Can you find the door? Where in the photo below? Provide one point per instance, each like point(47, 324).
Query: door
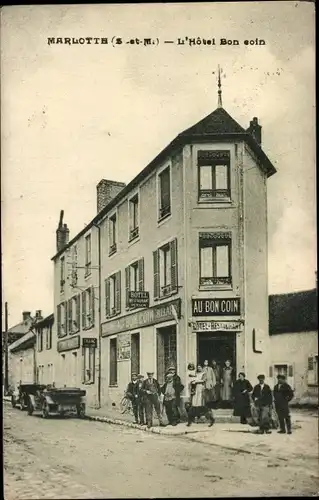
point(135, 353)
point(166, 354)
point(216, 346)
point(74, 369)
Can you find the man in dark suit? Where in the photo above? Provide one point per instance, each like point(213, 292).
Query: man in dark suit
point(262, 398)
point(152, 391)
point(172, 395)
point(139, 399)
point(283, 393)
point(131, 396)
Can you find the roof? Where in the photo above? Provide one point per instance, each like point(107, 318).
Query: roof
point(293, 312)
point(218, 125)
point(45, 321)
point(21, 328)
point(28, 340)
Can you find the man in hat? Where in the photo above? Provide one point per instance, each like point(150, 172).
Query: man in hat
point(262, 398)
point(131, 396)
point(152, 391)
point(139, 398)
point(172, 392)
point(283, 393)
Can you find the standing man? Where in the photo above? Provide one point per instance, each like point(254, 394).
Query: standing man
point(283, 393)
point(131, 396)
point(172, 390)
point(262, 398)
point(139, 398)
point(152, 391)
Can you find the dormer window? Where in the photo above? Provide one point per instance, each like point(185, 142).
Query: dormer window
point(213, 176)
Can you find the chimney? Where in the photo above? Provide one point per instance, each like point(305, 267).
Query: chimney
point(255, 130)
point(38, 315)
point(62, 234)
point(106, 191)
point(26, 315)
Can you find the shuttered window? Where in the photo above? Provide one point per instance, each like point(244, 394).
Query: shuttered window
point(83, 310)
point(88, 365)
point(165, 269)
point(312, 372)
point(113, 295)
point(134, 279)
point(113, 362)
point(164, 187)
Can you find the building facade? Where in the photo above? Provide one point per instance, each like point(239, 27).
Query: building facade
point(293, 329)
point(22, 361)
point(173, 269)
point(45, 355)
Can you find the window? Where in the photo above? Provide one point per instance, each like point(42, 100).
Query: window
point(88, 262)
point(214, 175)
point(62, 274)
point(134, 279)
point(113, 362)
point(62, 319)
point(74, 271)
point(74, 314)
point(88, 306)
point(88, 365)
point(40, 340)
point(215, 259)
point(165, 270)
point(113, 295)
point(164, 180)
point(48, 338)
point(112, 234)
point(312, 372)
point(133, 218)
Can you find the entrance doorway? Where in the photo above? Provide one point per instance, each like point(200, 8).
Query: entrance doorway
point(135, 353)
point(166, 353)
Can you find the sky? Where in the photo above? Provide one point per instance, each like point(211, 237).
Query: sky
point(74, 114)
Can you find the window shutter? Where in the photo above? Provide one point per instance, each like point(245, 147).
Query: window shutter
point(107, 297)
point(78, 312)
point(92, 306)
point(290, 371)
point(127, 284)
point(311, 371)
point(141, 275)
point(118, 292)
point(174, 276)
point(271, 371)
point(66, 317)
point(83, 310)
point(70, 315)
point(59, 320)
point(156, 274)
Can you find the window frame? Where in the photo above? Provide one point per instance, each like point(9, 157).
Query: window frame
point(116, 310)
point(40, 339)
point(212, 163)
point(113, 219)
point(91, 357)
point(217, 239)
point(163, 213)
point(134, 232)
point(62, 274)
point(140, 277)
point(88, 255)
point(161, 291)
point(48, 337)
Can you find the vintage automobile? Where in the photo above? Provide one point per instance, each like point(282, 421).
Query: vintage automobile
point(57, 401)
point(20, 396)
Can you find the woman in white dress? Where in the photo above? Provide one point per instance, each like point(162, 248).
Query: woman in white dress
point(198, 405)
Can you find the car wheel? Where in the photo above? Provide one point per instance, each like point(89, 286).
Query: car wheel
point(81, 412)
point(45, 410)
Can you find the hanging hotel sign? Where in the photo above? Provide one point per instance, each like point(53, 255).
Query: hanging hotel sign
point(156, 314)
point(216, 307)
point(212, 326)
point(89, 342)
point(69, 343)
point(138, 299)
point(124, 347)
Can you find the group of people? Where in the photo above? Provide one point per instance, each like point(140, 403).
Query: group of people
point(206, 387)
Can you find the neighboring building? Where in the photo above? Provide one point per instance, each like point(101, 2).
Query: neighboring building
point(45, 355)
point(190, 234)
point(15, 333)
point(22, 360)
point(293, 329)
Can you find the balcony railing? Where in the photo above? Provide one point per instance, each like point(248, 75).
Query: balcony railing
point(112, 249)
point(134, 233)
point(213, 194)
point(213, 281)
point(164, 211)
point(166, 290)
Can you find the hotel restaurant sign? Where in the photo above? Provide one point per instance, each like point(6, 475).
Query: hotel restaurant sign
point(216, 307)
point(151, 316)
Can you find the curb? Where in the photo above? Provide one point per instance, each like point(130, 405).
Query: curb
point(132, 425)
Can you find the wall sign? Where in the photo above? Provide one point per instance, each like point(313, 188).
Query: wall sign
point(69, 343)
point(211, 326)
point(216, 307)
point(138, 299)
point(151, 316)
point(89, 342)
point(124, 347)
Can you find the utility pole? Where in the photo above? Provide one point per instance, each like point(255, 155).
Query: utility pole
point(6, 368)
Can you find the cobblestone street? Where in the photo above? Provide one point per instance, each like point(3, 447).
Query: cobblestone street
point(71, 458)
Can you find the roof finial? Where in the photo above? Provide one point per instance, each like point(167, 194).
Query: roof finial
point(220, 104)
